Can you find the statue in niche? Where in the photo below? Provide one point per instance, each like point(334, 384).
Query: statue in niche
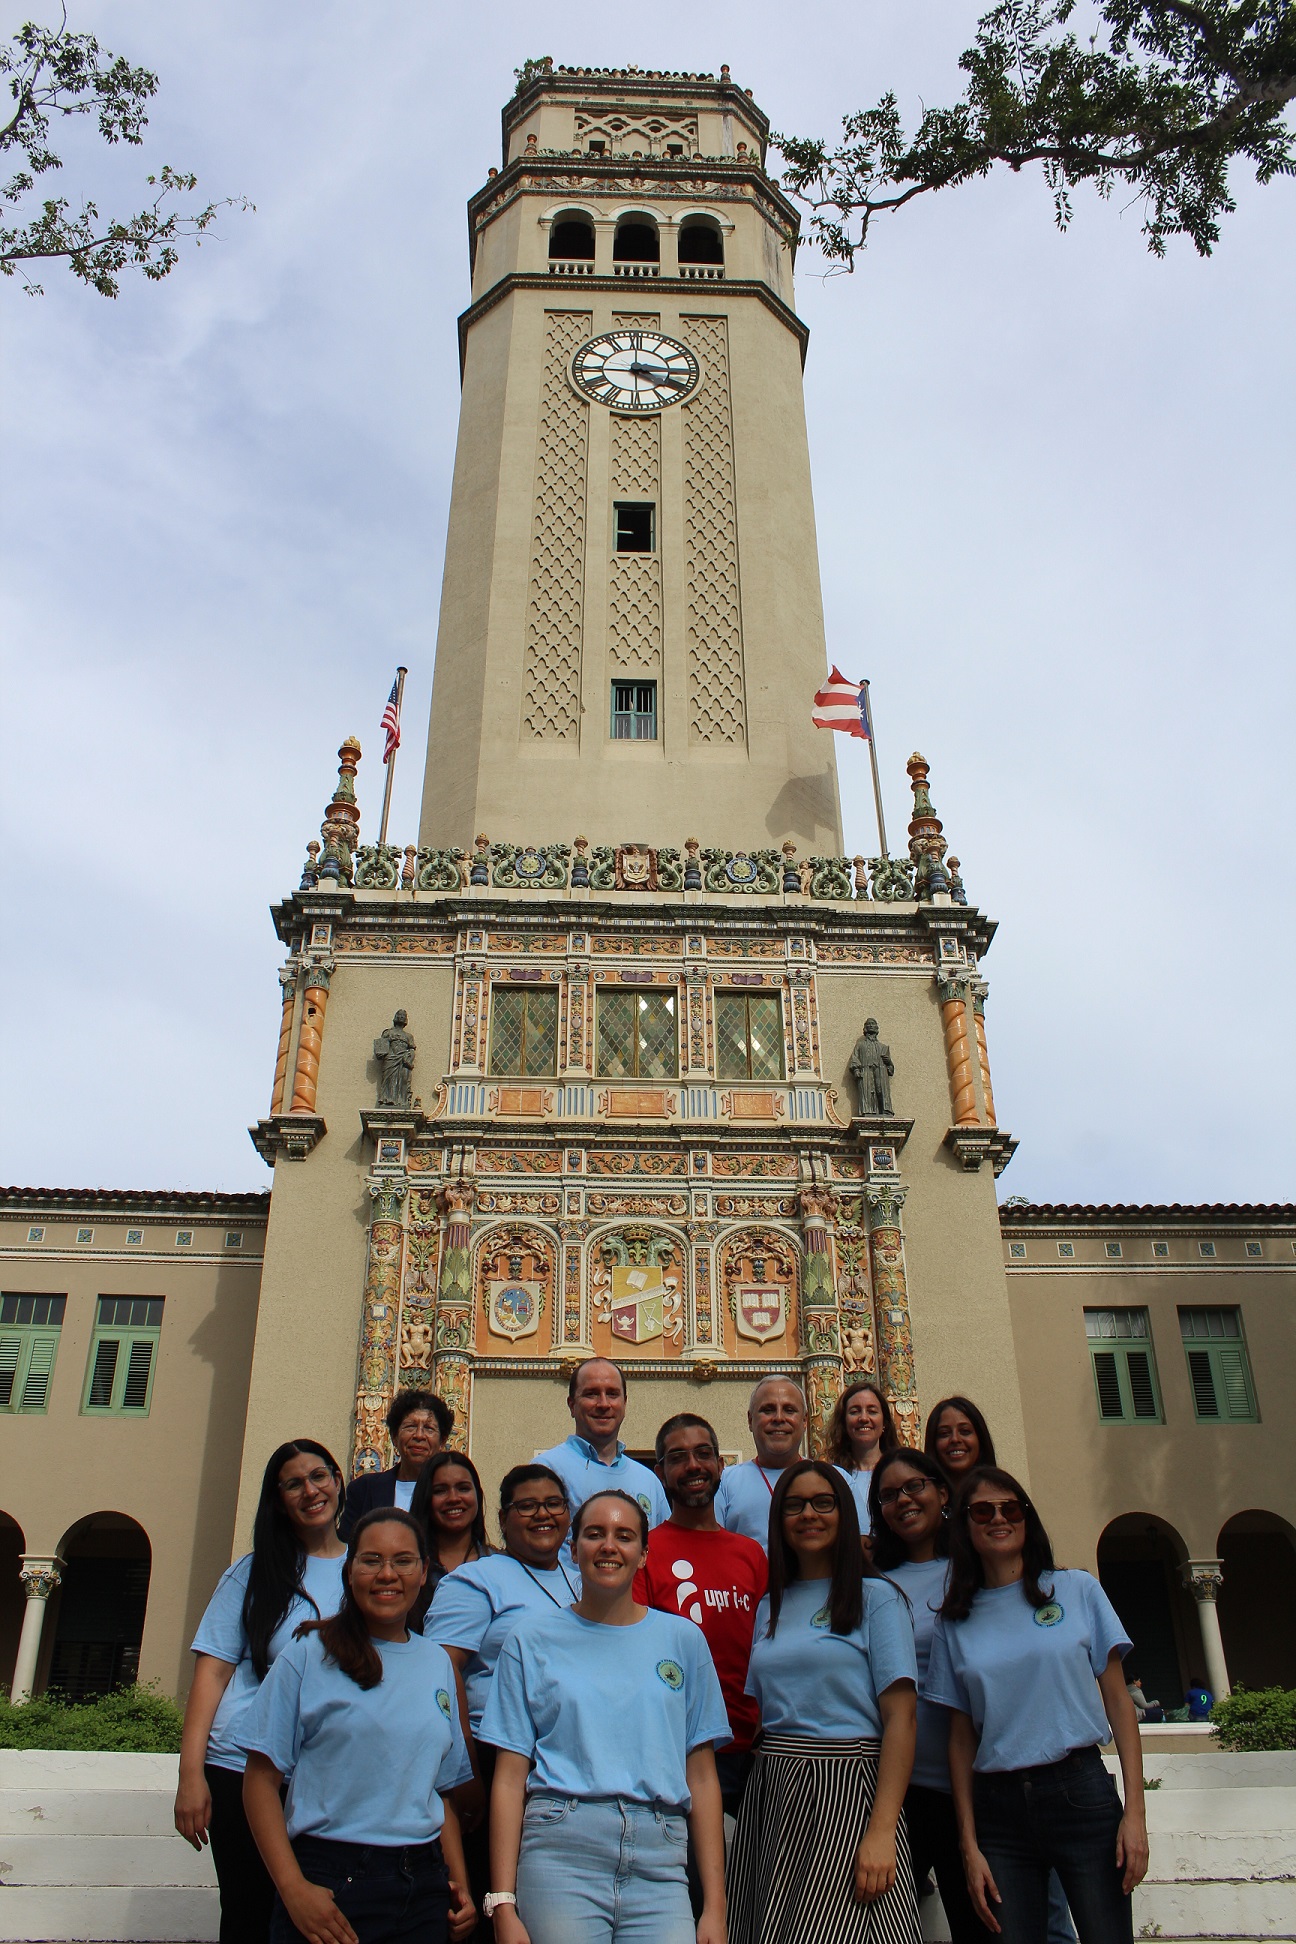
point(874, 1070)
point(394, 1051)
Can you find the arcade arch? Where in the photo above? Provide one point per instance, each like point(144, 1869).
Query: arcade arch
point(1257, 1598)
point(1140, 1562)
point(96, 1624)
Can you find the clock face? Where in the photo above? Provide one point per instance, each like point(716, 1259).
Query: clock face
point(635, 371)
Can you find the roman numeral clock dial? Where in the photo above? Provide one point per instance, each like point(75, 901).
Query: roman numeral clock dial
point(635, 371)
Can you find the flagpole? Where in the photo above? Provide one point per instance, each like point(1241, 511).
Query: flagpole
point(877, 781)
point(401, 673)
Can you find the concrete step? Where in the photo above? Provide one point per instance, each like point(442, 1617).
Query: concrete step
point(142, 1915)
point(157, 1861)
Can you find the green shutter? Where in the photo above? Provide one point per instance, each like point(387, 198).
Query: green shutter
point(99, 1396)
point(135, 1390)
point(1235, 1381)
point(1108, 1382)
point(1202, 1377)
point(1142, 1390)
point(9, 1348)
point(40, 1366)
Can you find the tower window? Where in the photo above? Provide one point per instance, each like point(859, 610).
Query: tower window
point(524, 1032)
point(636, 243)
point(636, 527)
point(598, 148)
point(634, 711)
point(749, 1036)
point(700, 243)
point(572, 241)
point(636, 1035)
point(674, 148)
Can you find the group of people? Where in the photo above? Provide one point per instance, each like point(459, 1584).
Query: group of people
point(867, 1668)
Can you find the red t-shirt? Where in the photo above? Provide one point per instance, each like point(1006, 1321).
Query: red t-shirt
point(718, 1579)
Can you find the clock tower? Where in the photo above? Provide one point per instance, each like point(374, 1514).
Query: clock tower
point(623, 1056)
point(631, 593)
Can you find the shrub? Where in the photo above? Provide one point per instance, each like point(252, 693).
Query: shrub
point(1252, 1720)
point(134, 1720)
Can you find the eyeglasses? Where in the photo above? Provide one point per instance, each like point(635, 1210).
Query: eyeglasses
point(912, 1488)
point(822, 1502)
point(549, 1508)
point(984, 1512)
point(294, 1487)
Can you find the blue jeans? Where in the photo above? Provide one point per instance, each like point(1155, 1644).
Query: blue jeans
point(1064, 1817)
point(603, 1872)
point(388, 1895)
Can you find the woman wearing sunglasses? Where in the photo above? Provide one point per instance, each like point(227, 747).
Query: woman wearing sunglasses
point(821, 1851)
point(909, 1505)
point(1027, 1658)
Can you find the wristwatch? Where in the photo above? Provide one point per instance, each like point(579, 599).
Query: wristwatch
point(494, 1898)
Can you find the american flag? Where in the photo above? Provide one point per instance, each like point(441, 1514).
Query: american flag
point(390, 724)
point(843, 705)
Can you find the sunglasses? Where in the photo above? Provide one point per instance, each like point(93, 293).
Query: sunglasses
point(984, 1512)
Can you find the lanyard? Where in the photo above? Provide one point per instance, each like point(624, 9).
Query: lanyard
point(543, 1588)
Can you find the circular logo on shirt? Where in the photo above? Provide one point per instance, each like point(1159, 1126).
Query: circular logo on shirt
point(672, 1674)
point(1048, 1616)
point(645, 1501)
point(443, 1702)
point(822, 1618)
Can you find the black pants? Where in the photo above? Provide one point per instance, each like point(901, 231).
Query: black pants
point(387, 1895)
point(1061, 1816)
point(246, 1892)
point(733, 1766)
point(934, 1845)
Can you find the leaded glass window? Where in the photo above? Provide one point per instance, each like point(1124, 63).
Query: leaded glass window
point(636, 1035)
point(524, 1031)
point(749, 1036)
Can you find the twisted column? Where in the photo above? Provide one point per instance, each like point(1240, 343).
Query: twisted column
point(820, 1330)
point(310, 1039)
point(452, 1371)
point(958, 1051)
point(379, 1320)
point(895, 1364)
point(979, 992)
point(41, 1574)
point(288, 988)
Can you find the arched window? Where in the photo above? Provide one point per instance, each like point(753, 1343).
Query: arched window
point(572, 240)
point(636, 241)
point(700, 241)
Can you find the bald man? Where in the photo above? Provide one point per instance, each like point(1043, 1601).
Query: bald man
point(776, 1414)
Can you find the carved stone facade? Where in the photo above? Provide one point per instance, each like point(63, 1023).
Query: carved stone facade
point(555, 604)
point(717, 694)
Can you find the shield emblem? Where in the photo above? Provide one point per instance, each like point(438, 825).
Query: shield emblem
point(637, 1296)
point(513, 1308)
point(760, 1311)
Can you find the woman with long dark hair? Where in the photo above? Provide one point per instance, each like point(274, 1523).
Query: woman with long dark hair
point(958, 1438)
point(1026, 1656)
point(360, 1718)
point(450, 1506)
point(604, 1716)
point(860, 1431)
point(909, 1502)
point(294, 1570)
point(821, 1851)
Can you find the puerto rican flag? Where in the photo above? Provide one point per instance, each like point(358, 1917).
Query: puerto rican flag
point(390, 724)
point(843, 705)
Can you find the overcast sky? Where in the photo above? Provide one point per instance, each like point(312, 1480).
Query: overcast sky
point(1053, 480)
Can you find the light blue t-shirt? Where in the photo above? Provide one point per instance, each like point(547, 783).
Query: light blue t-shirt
point(220, 1633)
point(1028, 1675)
point(743, 1502)
point(364, 1765)
point(478, 1605)
point(607, 1711)
point(924, 1583)
point(584, 1474)
point(808, 1680)
point(859, 1491)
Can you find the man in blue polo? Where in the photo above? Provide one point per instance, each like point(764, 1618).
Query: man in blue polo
point(593, 1459)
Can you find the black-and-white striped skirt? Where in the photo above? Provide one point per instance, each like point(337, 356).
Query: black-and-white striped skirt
point(791, 1876)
